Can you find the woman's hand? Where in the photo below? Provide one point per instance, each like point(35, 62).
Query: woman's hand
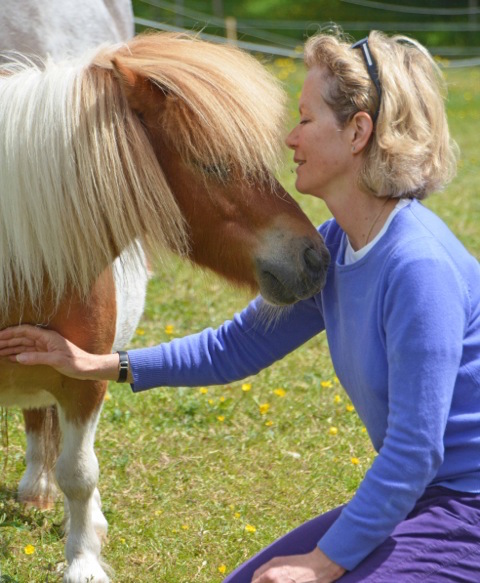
point(32, 345)
point(314, 567)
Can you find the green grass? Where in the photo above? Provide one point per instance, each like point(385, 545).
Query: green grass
point(184, 471)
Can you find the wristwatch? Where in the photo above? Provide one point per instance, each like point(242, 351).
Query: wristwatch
point(123, 366)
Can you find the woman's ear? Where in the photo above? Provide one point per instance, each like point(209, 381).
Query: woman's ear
point(361, 130)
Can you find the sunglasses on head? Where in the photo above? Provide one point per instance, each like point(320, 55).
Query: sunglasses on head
point(372, 70)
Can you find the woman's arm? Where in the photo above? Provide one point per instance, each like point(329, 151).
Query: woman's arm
point(424, 317)
point(241, 347)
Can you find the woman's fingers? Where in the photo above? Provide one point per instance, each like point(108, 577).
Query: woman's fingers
point(16, 345)
point(15, 350)
point(14, 341)
point(26, 336)
point(23, 330)
point(32, 345)
point(18, 341)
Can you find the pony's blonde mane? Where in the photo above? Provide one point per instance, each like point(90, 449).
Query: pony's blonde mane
point(79, 179)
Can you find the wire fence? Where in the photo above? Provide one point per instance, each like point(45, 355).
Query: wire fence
point(472, 10)
point(264, 36)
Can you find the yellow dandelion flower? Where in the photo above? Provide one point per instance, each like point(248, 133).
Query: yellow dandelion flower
point(221, 418)
point(246, 387)
point(355, 461)
point(350, 408)
point(269, 423)
point(203, 390)
point(280, 392)
point(169, 329)
point(364, 430)
point(123, 541)
point(335, 380)
point(222, 569)
point(222, 399)
point(283, 62)
point(337, 399)
point(107, 397)
point(29, 550)
point(140, 332)
point(250, 528)
point(185, 527)
point(263, 408)
point(333, 430)
point(158, 512)
point(210, 401)
point(326, 384)
point(237, 515)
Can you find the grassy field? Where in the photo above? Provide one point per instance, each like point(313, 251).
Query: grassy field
point(194, 481)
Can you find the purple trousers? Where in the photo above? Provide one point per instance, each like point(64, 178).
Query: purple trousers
point(439, 542)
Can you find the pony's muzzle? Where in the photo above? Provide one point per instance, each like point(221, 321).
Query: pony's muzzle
point(313, 260)
point(296, 271)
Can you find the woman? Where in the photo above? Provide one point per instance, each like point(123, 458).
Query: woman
point(401, 309)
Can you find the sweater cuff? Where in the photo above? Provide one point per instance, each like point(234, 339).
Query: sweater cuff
point(147, 366)
point(344, 545)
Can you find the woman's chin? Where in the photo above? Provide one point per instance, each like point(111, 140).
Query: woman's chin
point(301, 186)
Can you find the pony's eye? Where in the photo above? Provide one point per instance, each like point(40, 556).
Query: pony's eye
point(216, 171)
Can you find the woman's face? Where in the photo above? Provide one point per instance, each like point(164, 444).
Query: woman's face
point(322, 150)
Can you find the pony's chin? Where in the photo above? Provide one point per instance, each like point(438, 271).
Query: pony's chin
point(274, 291)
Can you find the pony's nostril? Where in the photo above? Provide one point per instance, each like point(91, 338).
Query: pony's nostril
point(313, 259)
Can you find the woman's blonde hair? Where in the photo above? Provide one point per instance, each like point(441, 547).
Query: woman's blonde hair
point(410, 153)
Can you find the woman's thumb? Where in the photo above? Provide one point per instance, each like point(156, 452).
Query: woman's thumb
point(31, 358)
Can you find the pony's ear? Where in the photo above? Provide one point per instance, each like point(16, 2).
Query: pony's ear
point(139, 90)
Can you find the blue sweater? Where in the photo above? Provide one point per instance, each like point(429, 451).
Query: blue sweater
point(403, 327)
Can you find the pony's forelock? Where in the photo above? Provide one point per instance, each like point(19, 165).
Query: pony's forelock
point(223, 109)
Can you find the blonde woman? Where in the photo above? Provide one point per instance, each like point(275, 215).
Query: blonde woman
point(401, 309)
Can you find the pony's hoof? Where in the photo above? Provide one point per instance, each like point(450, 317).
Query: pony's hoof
point(37, 492)
point(85, 569)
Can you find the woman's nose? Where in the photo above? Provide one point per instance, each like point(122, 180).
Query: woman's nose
point(291, 139)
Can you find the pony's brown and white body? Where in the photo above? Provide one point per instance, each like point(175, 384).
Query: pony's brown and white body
point(165, 140)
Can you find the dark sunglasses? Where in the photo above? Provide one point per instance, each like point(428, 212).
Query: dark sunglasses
point(372, 70)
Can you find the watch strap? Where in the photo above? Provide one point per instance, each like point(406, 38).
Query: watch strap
point(123, 366)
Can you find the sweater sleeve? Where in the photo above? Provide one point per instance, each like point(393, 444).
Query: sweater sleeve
point(237, 349)
point(426, 306)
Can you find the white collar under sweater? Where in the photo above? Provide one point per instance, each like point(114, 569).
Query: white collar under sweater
point(351, 256)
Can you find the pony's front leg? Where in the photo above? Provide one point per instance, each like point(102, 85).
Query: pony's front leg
point(100, 523)
point(37, 486)
point(77, 476)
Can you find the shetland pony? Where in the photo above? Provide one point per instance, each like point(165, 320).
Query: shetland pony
point(165, 140)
